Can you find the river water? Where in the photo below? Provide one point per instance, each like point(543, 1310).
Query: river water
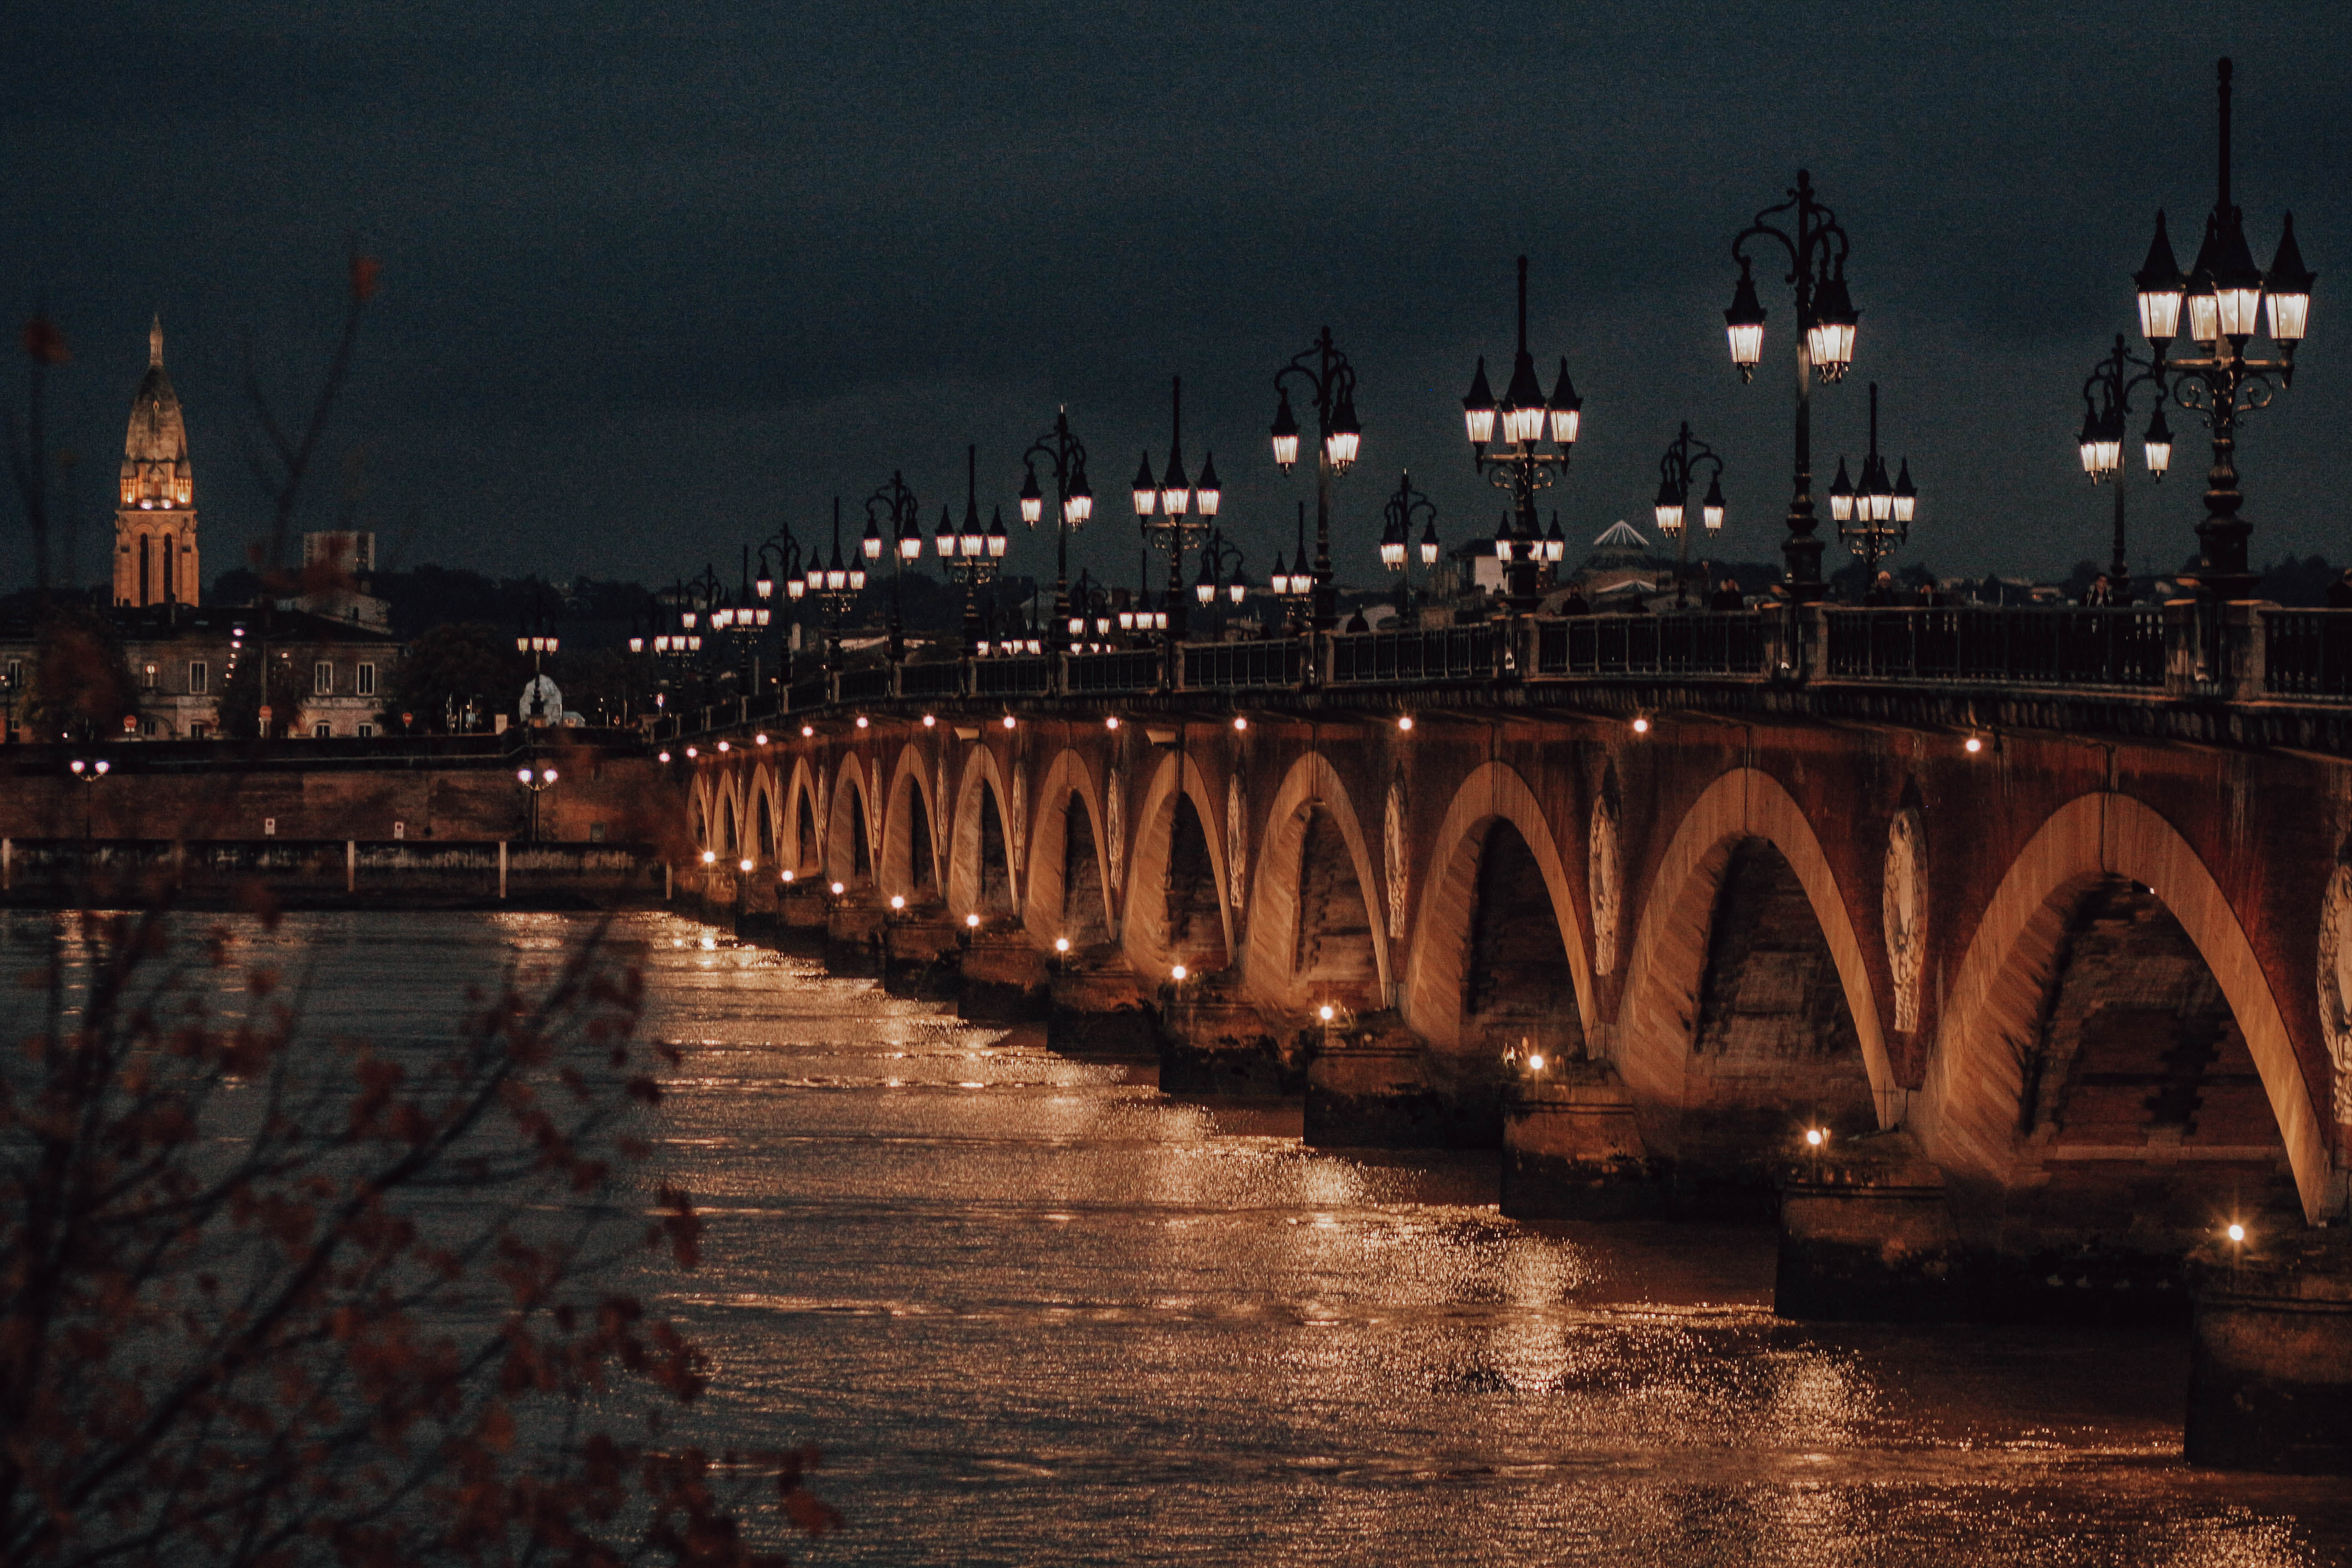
point(1036, 1312)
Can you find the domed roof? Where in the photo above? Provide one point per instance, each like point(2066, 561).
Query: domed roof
point(158, 432)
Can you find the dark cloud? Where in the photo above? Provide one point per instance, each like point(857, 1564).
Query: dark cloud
point(657, 278)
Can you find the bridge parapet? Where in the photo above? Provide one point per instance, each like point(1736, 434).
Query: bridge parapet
point(2238, 674)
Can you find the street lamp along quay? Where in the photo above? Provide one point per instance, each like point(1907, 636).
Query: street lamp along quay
point(2223, 293)
point(1521, 467)
point(1826, 320)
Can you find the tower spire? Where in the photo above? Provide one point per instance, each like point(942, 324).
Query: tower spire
point(155, 343)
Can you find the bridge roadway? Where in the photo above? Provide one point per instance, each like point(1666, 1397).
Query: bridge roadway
point(2042, 921)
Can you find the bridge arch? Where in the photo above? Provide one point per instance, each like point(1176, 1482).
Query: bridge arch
point(1976, 1078)
point(766, 838)
point(1494, 796)
point(980, 846)
point(1314, 854)
point(848, 858)
point(1658, 1017)
point(800, 847)
point(1144, 926)
point(1069, 871)
point(911, 859)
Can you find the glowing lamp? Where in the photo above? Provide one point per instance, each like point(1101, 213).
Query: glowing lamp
point(972, 923)
point(1429, 545)
point(897, 901)
point(1973, 745)
point(1711, 508)
point(2290, 289)
point(1033, 500)
point(1079, 503)
point(709, 856)
point(1176, 971)
point(744, 866)
point(1830, 336)
point(1147, 489)
point(1286, 433)
point(766, 586)
point(1345, 437)
point(1668, 508)
point(2158, 445)
point(837, 890)
point(2160, 289)
point(1567, 409)
point(1744, 323)
point(1060, 944)
point(871, 545)
point(1641, 726)
point(1208, 494)
point(1404, 722)
point(1009, 720)
point(1905, 496)
point(1239, 722)
point(1842, 495)
point(1478, 407)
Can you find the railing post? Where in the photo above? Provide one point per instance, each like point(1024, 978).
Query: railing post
point(2246, 649)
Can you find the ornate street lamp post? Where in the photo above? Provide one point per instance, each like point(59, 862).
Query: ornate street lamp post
point(780, 562)
point(1396, 538)
point(1329, 381)
point(1220, 566)
point(1520, 466)
point(1174, 514)
point(2106, 404)
point(2224, 293)
point(973, 555)
point(836, 587)
point(1816, 244)
point(1874, 517)
point(1678, 471)
point(899, 511)
point(1065, 457)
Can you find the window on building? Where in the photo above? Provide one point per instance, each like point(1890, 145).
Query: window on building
point(16, 674)
point(364, 683)
point(322, 730)
point(322, 679)
point(199, 730)
point(200, 677)
point(367, 731)
point(150, 677)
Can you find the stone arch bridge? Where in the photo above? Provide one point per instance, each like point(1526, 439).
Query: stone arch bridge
point(2056, 964)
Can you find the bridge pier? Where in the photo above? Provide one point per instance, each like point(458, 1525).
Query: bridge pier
point(2270, 1370)
point(802, 912)
point(853, 933)
point(921, 953)
point(1368, 1088)
point(1005, 977)
point(1571, 1149)
point(1214, 1042)
point(1866, 1236)
point(1096, 1006)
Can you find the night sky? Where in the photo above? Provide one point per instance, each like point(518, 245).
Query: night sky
point(657, 278)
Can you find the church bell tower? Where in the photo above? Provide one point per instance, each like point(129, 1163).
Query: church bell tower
point(155, 558)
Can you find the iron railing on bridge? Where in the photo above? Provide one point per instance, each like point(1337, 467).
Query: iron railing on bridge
point(2307, 653)
point(1732, 643)
point(1226, 666)
point(2028, 645)
point(1426, 654)
point(1018, 677)
point(1130, 669)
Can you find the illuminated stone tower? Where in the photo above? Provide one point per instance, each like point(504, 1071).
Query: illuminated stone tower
point(156, 559)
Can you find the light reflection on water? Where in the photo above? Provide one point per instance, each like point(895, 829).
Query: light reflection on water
point(1037, 1314)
